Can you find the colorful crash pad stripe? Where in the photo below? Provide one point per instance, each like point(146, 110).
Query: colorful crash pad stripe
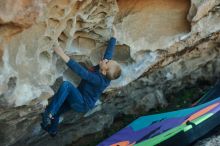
point(184, 127)
point(153, 129)
point(146, 121)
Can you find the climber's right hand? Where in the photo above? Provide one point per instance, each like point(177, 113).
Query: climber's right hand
point(59, 51)
point(114, 31)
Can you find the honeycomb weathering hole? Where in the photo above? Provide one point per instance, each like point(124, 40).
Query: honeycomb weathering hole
point(63, 37)
point(53, 22)
point(70, 23)
point(1, 55)
point(57, 12)
point(12, 82)
point(44, 56)
point(46, 40)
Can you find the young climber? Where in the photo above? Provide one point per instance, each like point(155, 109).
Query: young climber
point(82, 98)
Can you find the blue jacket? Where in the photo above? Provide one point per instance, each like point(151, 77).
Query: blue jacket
point(93, 82)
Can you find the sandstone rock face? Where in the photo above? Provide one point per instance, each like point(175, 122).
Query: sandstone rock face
point(162, 46)
point(82, 28)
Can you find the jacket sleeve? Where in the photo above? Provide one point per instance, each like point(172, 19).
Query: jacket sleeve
point(82, 72)
point(110, 49)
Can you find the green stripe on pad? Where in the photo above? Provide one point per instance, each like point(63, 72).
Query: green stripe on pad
point(172, 132)
point(199, 120)
point(145, 121)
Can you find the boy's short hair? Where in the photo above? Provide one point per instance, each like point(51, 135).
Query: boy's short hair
point(114, 71)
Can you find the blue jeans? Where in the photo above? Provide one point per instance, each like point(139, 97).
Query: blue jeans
point(66, 98)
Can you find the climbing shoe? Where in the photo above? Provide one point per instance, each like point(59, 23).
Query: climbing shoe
point(46, 119)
